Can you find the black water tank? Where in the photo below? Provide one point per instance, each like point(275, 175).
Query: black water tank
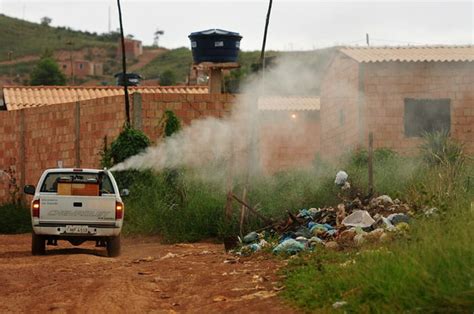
point(133, 79)
point(215, 45)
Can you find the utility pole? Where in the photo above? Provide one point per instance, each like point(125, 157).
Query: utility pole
point(367, 39)
point(262, 53)
point(124, 69)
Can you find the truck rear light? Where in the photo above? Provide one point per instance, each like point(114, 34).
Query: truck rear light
point(119, 210)
point(35, 208)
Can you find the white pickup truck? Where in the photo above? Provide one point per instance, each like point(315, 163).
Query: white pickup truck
point(76, 205)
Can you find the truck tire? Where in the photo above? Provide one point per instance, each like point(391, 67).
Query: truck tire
point(113, 246)
point(38, 244)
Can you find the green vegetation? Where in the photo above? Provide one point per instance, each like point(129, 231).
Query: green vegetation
point(23, 38)
point(172, 123)
point(129, 143)
point(167, 78)
point(47, 72)
point(429, 270)
point(177, 61)
point(14, 219)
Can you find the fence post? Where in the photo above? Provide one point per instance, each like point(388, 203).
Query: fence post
point(22, 153)
point(371, 162)
point(137, 111)
point(77, 132)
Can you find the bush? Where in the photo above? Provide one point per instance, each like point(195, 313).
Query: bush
point(47, 72)
point(129, 143)
point(172, 123)
point(439, 149)
point(14, 219)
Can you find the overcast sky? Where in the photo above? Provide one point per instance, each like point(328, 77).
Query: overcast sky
point(294, 25)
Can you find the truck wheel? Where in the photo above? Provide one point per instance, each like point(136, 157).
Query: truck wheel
point(113, 246)
point(38, 244)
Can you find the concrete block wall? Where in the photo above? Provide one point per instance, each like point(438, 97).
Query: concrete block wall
point(10, 131)
point(286, 142)
point(73, 133)
point(388, 84)
point(34, 139)
point(187, 107)
point(340, 116)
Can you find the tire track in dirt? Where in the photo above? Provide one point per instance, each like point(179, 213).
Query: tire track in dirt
point(147, 277)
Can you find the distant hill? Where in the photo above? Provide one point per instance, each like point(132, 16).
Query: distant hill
point(23, 42)
point(24, 38)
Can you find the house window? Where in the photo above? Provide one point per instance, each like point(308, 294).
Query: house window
point(426, 115)
point(80, 65)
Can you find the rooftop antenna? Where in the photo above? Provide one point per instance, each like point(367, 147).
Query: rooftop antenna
point(124, 68)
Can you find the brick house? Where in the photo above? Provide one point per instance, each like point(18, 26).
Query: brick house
point(289, 132)
point(133, 48)
point(82, 68)
point(397, 93)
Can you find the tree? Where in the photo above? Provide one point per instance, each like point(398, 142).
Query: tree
point(47, 72)
point(167, 78)
point(46, 21)
point(156, 36)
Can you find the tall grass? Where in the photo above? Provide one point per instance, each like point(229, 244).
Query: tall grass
point(432, 271)
point(429, 270)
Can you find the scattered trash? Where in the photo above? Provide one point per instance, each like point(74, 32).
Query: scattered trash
point(395, 219)
point(251, 237)
point(341, 178)
point(338, 304)
point(431, 212)
point(289, 246)
point(354, 222)
point(359, 218)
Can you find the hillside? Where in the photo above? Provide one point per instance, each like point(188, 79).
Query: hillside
point(24, 42)
point(24, 38)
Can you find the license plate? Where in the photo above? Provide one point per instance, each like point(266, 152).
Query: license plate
point(76, 229)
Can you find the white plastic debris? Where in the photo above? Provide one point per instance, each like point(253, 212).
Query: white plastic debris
point(359, 218)
point(339, 304)
point(385, 199)
point(341, 178)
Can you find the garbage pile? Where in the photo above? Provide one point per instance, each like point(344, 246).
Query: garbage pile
point(351, 223)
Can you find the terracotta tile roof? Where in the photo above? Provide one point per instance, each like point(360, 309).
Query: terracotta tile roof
point(410, 53)
point(20, 97)
point(290, 103)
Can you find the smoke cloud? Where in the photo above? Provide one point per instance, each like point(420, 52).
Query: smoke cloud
point(235, 137)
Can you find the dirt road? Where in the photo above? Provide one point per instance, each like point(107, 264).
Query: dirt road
point(147, 277)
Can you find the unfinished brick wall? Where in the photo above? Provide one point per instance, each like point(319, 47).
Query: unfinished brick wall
point(340, 107)
point(9, 151)
point(372, 97)
point(388, 84)
point(287, 142)
point(73, 133)
point(187, 107)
